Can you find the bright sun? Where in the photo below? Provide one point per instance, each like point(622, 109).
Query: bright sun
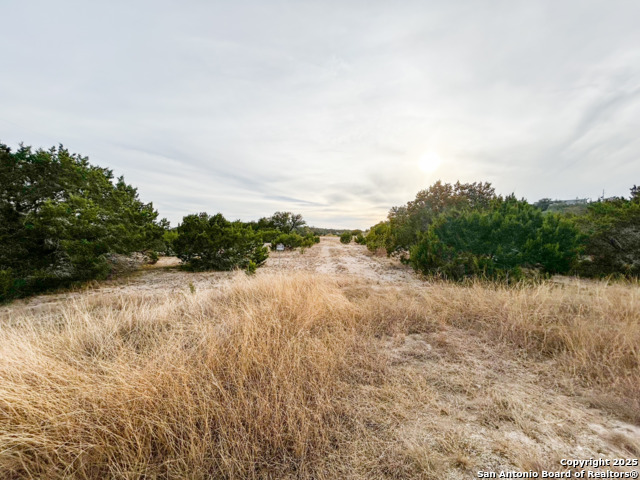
point(429, 162)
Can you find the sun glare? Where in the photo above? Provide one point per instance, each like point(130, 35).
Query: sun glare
point(429, 162)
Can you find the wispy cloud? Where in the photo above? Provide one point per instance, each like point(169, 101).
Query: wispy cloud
point(325, 108)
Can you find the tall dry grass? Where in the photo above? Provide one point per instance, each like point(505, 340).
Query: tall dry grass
point(258, 380)
point(241, 384)
point(591, 330)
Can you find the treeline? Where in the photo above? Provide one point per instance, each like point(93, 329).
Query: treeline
point(466, 230)
point(62, 221)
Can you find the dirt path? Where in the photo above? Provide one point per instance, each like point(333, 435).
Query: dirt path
point(332, 257)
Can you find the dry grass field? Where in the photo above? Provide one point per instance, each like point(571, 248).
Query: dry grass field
point(328, 364)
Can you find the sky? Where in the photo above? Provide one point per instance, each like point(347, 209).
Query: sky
point(337, 110)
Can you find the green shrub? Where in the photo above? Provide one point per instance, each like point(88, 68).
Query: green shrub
point(346, 237)
point(309, 240)
point(153, 257)
point(380, 237)
point(251, 268)
point(60, 216)
point(496, 242)
point(268, 236)
point(168, 238)
point(213, 243)
point(288, 240)
point(294, 240)
point(612, 238)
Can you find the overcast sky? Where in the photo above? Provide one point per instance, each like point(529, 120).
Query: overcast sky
point(334, 109)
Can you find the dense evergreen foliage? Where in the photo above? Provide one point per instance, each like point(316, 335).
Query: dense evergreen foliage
point(60, 217)
point(463, 230)
point(293, 240)
point(213, 243)
point(380, 237)
point(346, 237)
point(496, 241)
point(612, 237)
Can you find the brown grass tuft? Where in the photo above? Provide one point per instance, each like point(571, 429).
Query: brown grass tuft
point(591, 331)
point(246, 383)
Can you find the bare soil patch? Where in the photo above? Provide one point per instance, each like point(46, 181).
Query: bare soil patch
point(332, 257)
